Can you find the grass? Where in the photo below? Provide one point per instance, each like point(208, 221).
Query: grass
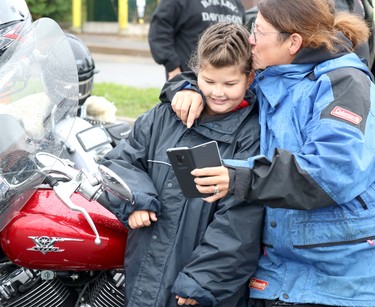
point(130, 101)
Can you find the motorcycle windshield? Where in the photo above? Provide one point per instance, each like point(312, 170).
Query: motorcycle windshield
point(13, 10)
point(38, 89)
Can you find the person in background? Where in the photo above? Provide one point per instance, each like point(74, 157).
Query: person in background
point(316, 172)
point(363, 8)
point(184, 251)
point(176, 26)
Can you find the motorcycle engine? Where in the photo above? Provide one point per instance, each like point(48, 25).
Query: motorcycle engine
point(108, 290)
point(21, 287)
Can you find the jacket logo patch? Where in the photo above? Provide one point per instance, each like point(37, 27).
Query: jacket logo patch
point(347, 115)
point(258, 284)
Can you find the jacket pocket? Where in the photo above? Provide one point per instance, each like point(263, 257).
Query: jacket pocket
point(340, 226)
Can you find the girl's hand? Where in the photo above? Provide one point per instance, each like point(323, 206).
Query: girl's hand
point(185, 301)
point(212, 180)
point(141, 218)
point(188, 106)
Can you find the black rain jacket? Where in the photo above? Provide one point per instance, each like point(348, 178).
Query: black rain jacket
point(204, 251)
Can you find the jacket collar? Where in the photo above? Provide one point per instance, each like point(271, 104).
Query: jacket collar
point(224, 127)
point(309, 62)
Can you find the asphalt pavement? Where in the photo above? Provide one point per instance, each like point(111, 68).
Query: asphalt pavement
point(116, 44)
point(124, 60)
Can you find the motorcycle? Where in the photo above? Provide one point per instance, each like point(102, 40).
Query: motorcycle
point(59, 246)
point(95, 120)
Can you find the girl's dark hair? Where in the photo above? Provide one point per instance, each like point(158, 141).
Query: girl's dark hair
point(316, 21)
point(223, 44)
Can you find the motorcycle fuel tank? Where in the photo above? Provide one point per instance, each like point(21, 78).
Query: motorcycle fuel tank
point(45, 234)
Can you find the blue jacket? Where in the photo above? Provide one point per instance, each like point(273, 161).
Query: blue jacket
point(316, 176)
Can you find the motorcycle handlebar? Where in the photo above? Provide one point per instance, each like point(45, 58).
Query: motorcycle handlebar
point(89, 186)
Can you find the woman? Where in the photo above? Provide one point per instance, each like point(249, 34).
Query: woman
point(316, 103)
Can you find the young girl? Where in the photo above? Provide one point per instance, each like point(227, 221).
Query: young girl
point(186, 251)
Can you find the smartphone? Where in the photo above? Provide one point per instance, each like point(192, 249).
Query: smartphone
point(185, 159)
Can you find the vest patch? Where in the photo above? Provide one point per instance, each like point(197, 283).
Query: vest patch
point(346, 115)
point(258, 284)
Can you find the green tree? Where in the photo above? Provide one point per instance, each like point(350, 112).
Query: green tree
point(150, 8)
point(58, 10)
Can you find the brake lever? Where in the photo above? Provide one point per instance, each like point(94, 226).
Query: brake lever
point(64, 190)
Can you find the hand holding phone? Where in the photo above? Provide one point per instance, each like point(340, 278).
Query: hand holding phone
point(185, 159)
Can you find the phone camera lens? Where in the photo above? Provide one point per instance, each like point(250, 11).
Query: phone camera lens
point(180, 158)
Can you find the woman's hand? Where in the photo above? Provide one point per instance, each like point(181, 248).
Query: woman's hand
point(188, 106)
point(212, 180)
point(141, 218)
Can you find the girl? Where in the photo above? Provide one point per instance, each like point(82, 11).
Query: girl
point(185, 251)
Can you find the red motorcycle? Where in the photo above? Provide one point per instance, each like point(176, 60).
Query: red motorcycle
point(59, 246)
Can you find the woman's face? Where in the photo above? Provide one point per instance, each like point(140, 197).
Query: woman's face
point(224, 87)
point(267, 49)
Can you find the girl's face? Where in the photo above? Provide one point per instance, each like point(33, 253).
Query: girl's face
point(224, 87)
point(267, 49)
